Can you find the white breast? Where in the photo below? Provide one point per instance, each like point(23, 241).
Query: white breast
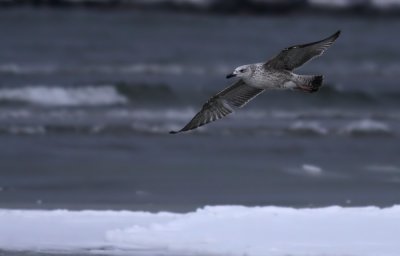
point(265, 80)
point(270, 79)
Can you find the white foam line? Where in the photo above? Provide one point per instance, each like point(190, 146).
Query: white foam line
point(64, 96)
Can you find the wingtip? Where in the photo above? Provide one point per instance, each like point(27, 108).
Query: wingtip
point(173, 132)
point(334, 36)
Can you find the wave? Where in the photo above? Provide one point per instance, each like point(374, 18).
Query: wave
point(216, 230)
point(312, 169)
point(315, 171)
point(135, 123)
point(307, 119)
point(370, 67)
point(391, 169)
point(139, 68)
point(308, 128)
point(23, 130)
point(309, 170)
point(89, 129)
point(153, 114)
point(249, 6)
point(367, 127)
point(63, 96)
point(168, 95)
point(18, 69)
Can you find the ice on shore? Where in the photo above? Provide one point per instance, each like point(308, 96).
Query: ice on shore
point(217, 230)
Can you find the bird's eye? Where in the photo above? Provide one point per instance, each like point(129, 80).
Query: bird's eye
point(242, 70)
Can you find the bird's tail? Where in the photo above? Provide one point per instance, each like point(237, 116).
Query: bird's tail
point(309, 83)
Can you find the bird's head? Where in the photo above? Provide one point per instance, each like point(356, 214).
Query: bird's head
point(242, 71)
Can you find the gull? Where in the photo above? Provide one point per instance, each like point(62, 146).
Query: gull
point(255, 78)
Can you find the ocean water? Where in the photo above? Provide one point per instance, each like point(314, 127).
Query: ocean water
point(88, 97)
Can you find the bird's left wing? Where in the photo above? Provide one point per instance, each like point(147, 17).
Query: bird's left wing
point(222, 104)
point(295, 56)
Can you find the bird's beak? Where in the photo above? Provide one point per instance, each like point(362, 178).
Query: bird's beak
point(230, 75)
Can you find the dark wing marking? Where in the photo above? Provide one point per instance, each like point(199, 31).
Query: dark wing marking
point(295, 56)
point(222, 104)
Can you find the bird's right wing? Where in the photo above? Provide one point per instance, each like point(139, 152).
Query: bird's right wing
point(222, 104)
point(295, 56)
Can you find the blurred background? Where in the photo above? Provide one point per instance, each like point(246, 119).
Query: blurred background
point(90, 89)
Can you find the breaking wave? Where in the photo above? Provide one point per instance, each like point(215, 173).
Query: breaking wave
point(249, 6)
point(119, 122)
point(367, 127)
point(63, 96)
point(367, 67)
point(311, 128)
point(158, 108)
point(162, 94)
point(139, 68)
point(391, 169)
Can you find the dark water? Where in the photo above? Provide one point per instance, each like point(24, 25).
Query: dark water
point(87, 99)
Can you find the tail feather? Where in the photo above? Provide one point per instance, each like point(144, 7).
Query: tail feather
point(310, 83)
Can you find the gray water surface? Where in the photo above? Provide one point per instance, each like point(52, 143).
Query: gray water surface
point(88, 97)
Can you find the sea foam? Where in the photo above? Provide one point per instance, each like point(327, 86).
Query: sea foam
point(304, 127)
point(63, 96)
point(367, 127)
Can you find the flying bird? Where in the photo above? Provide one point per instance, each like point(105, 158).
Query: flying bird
point(276, 73)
